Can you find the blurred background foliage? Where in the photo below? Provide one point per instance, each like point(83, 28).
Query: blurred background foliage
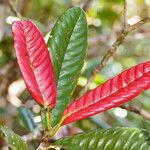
point(105, 20)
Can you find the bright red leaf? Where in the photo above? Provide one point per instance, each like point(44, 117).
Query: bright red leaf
point(112, 93)
point(34, 62)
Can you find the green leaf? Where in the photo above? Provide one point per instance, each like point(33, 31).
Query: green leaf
point(15, 141)
point(67, 43)
point(110, 139)
point(26, 117)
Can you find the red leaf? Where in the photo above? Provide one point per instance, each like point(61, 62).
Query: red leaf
point(34, 62)
point(112, 93)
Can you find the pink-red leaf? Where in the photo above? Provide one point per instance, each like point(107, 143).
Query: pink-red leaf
point(112, 93)
point(34, 62)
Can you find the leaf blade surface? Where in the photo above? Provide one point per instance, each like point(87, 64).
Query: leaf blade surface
point(34, 62)
point(68, 43)
point(15, 141)
point(122, 138)
point(112, 93)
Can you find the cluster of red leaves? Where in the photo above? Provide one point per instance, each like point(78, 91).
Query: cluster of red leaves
point(37, 71)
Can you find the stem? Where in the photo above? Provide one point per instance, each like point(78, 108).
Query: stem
point(125, 14)
point(51, 132)
point(45, 116)
point(139, 111)
point(47, 119)
point(13, 9)
point(56, 128)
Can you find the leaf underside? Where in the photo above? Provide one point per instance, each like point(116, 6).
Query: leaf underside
point(34, 62)
point(15, 141)
point(67, 43)
point(110, 139)
point(112, 93)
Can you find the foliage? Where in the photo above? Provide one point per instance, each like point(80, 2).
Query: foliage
point(15, 141)
point(54, 76)
point(110, 139)
point(112, 93)
point(34, 62)
point(68, 43)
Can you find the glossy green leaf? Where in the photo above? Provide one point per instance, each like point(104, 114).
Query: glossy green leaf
point(67, 43)
point(109, 139)
point(14, 141)
point(27, 117)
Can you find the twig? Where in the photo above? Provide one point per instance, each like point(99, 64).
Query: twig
point(86, 5)
point(125, 14)
point(139, 111)
point(13, 9)
point(138, 24)
point(111, 51)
